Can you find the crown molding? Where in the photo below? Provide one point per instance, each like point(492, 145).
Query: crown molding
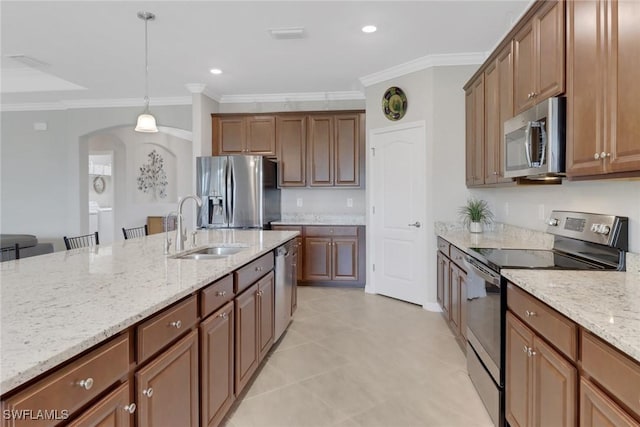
point(429, 61)
point(72, 104)
point(293, 97)
point(196, 87)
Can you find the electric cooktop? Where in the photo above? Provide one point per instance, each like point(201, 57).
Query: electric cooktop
point(497, 259)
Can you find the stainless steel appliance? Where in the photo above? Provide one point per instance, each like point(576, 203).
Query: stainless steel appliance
point(285, 281)
point(582, 241)
point(534, 142)
point(237, 192)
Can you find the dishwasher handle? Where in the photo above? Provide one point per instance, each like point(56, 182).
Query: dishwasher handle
point(483, 271)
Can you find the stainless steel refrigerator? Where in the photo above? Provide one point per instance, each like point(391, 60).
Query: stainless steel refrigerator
point(237, 192)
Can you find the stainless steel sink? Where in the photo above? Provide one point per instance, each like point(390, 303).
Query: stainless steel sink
point(210, 252)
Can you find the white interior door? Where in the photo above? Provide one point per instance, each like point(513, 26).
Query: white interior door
point(398, 212)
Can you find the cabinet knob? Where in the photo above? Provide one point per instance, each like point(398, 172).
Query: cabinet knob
point(148, 392)
point(223, 315)
point(177, 324)
point(130, 408)
point(86, 384)
point(531, 353)
point(221, 293)
point(596, 156)
point(525, 349)
point(530, 313)
point(258, 268)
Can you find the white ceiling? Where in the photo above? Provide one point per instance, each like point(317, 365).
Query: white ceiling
point(94, 50)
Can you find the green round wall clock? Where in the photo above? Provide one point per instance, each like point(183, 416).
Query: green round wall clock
point(394, 103)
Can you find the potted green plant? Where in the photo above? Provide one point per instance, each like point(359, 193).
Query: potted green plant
point(476, 213)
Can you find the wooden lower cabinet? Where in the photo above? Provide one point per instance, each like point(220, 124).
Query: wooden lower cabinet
point(451, 290)
point(217, 360)
point(114, 410)
point(332, 254)
point(541, 385)
point(254, 312)
point(317, 255)
point(167, 388)
point(598, 410)
point(294, 279)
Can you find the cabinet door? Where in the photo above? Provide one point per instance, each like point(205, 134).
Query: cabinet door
point(598, 410)
point(167, 388)
point(523, 68)
point(469, 135)
point(347, 150)
point(505, 103)
point(492, 124)
point(624, 88)
point(261, 135)
point(291, 134)
point(300, 258)
point(454, 289)
point(320, 145)
point(518, 374)
point(295, 273)
point(549, 22)
point(266, 321)
point(478, 131)
point(446, 294)
point(585, 89)
point(317, 258)
point(246, 338)
point(114, 410)
point(463, 306)
point(345, 259)
point(440, 279)
point(216, 353)
point(229, 135)
point(554, 387)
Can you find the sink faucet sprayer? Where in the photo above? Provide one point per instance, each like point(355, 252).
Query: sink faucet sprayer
point(181, 233)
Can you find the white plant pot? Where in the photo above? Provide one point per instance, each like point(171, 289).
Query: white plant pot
point(475, 227)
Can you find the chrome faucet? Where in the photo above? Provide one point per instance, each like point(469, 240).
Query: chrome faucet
point(181, 233)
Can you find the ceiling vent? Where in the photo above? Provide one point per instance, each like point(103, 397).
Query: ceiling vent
point(287, 33)
point(29, 61)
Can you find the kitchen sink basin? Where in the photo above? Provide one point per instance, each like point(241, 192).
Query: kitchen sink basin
point(210, 252)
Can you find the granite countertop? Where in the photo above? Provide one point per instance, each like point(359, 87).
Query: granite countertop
point(313, 219)
point(605, 303)
point(56, 306)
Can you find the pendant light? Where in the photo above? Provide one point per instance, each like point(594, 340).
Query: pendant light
point(146, 122)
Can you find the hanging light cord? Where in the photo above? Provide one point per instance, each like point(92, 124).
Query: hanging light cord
point(146, 64)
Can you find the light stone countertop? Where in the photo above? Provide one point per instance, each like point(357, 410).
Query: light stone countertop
point(55, 306)
point(319, 219)
point(605, 303)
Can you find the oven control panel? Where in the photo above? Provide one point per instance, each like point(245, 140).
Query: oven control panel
point(610, 230)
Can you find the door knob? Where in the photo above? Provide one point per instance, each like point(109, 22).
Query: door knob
point(415, 224)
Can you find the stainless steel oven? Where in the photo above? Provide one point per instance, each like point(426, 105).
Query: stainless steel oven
point(582, 241)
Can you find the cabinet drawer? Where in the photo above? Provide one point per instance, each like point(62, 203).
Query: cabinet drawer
point(251, 272)
point(165, 327)
point(112, 410)
point(297, 228)
point(443, 246)
point(458, 256)
point(329, 231)
point(612, 369)
point(71, 387)
point(553, 326)
point(216, 295)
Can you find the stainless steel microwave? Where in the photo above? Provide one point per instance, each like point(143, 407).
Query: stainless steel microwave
point(534, 141)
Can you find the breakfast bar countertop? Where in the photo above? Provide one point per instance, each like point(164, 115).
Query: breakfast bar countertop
point(606, 303)
point(55, 306)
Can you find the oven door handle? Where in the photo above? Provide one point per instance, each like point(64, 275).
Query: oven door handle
point(486, 275)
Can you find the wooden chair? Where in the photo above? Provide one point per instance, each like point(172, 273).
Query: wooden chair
point(130, 233)
point(83, 241)
point(9, 253)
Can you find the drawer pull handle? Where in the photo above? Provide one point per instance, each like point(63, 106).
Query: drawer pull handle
point(221, 294)
point(530, 313)
point(148, 392)
point(177, 324)
point(130, 408)
point(86, 384)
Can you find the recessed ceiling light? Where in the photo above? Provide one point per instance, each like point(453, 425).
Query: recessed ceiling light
point(215, 71)
point(369, 29)
point(287, 33)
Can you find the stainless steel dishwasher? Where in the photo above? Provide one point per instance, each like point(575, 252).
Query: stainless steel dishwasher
point(284, 287)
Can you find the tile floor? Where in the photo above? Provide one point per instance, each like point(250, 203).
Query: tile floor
point(352, 359)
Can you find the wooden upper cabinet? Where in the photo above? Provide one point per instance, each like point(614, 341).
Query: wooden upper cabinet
point(475, 133)
point(291, 138)
point(498, 106)
point(321, 145)
point(236, 135)
point(603, 47)
point(347, 150)
point(539, 56)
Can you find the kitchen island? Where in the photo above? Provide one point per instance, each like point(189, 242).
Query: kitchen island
point(56, 306)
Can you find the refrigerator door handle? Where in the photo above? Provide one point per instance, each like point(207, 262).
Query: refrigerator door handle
point(227, 191)
point(231, 188)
